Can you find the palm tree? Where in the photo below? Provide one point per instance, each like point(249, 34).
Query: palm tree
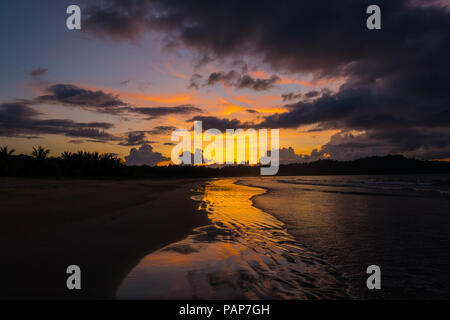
point(105, 157)
point(66, 155)
point(39, 153)
point(5, 153)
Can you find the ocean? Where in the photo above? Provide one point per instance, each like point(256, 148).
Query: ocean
point(307, 238)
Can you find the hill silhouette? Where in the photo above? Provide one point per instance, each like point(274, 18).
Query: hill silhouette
point(95, 165)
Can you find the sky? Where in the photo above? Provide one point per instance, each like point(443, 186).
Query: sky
point(138, 69)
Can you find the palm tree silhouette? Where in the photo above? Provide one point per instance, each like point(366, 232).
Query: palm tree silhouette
point(39, 153)
point(66, 155)
point(5, 153)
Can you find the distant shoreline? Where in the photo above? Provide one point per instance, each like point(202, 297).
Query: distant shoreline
point(93, 166)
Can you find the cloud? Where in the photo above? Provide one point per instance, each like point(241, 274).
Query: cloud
point(312, 94)
point(188, 158)
point(291, 96)
point(144, 156)
point(256, 84)
point(210, 122)
point(195, 81)
point(103, 102)
point(162, 130)
point(135, 138)
point(234, 79)
point(395, 86)
point(71, 95)
point(38, 72)
point(304, 96)
point(19, 120)
point(423, 144)
point(157, 112)
point(141, 85)
point(76, 141)
point(121, 20)
point(288, 156)
point(289, 35)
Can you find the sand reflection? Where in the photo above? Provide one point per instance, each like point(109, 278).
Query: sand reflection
point(244, 253)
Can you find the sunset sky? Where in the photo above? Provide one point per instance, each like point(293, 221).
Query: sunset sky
point(140, 69)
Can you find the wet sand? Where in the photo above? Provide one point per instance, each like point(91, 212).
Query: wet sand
point(105, 227)
point(244, 253)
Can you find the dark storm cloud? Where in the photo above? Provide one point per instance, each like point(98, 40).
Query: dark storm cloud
point(327, 37)
point(364, 108)
point(20, 120)
point(312, 94)
point(296, 34)
point(121, 20)
point(396, 77)
point(234, 79)
point(156, 112)
point(417, 143)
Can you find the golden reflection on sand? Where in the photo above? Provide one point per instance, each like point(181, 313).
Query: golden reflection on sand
point(244, 253)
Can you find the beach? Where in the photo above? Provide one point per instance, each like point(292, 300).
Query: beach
point(298, 237)
point(235, 238)
point(103, 226)
point(244, 253)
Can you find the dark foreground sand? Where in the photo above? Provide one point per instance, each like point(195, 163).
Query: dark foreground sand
point(105, 227)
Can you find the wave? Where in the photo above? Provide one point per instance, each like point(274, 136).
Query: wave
point(379, 187)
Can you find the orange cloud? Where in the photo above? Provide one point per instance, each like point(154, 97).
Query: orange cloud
point(175, 73)
point(243, 99)
point(230, 108)
point(178, 98)
point(260, 74)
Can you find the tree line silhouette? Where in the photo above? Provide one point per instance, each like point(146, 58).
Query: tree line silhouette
point(68, 164)
point(83, 164)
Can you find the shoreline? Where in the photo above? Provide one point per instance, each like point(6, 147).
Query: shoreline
point(245, 253)
point(288, 227)
point(105, 227)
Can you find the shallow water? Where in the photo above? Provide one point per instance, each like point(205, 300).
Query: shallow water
point(400, 223)
point(244, 253)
